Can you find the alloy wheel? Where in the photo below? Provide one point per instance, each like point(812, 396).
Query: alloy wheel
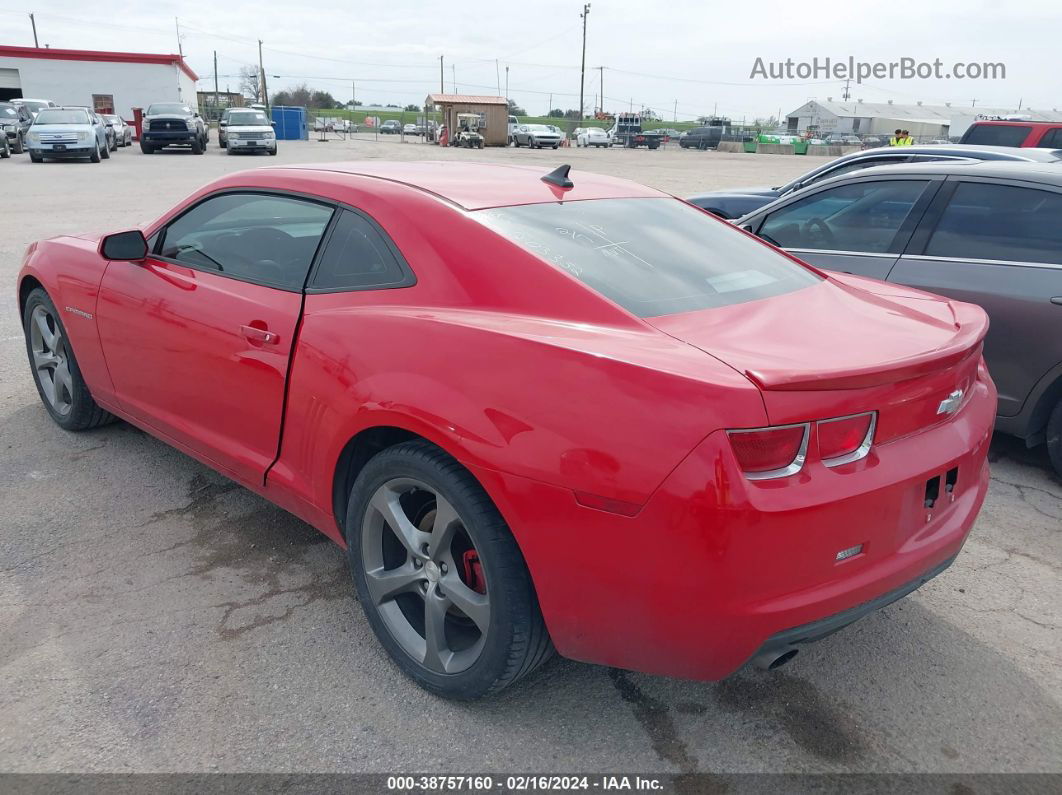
point(51, 361)
point(424, 576)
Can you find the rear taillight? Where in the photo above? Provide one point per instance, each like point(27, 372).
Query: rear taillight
point(781, 450)
point(770, 452)
point(845, 439)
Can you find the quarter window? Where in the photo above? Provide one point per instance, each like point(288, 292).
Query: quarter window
point(357, 257)
point(250, 236)
point(1052, 139)
point(990, 221)
point(863, 216)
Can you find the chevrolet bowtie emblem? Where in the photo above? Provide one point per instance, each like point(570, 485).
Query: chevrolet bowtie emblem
point(951, 403)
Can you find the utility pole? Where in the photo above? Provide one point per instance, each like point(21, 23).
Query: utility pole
point(549, 109)
point(33, 22)
point(353, 98)
point(497, 74)
point(261, 71)
point(676, 110)
point(582, 70)
point(601, 69)
point(217, 109)
point(845, 94)
point(453, 72)
point(506, 83)
point(177, 25)
point(442, 87)
point(973, 103)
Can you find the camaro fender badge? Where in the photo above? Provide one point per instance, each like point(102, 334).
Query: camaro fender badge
point(76, 311)
point(951, 403)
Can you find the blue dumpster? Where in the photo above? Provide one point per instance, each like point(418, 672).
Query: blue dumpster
point(290, 123)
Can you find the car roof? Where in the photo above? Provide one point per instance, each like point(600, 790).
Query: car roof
point(966, 150)
point(1047, 173)
point(475, 186)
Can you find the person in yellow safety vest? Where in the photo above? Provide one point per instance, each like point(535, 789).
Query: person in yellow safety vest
point(896, 139)
point(907, 139)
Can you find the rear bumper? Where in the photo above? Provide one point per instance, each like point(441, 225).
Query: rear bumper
point(817, 630)
point(715, 566)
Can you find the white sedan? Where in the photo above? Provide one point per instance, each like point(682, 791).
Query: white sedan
point(593, 136)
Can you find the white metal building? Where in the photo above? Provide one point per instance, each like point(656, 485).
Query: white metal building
point(881, 118)
point(110, 82)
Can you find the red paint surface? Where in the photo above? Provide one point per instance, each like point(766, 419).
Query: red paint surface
point(562, 404)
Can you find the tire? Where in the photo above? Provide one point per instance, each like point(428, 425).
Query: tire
point(493, 583)
point(273, 151)
point(36, 158)
point(105, 153)
point(19, 146)
point(222, 144)
point(5, 153)
point(555, 145)
point(71, 405)
point(115, 147)
point(1054, 438)
point(197, 147)
point(147, 148)
point(95, 157)
point(230, 150)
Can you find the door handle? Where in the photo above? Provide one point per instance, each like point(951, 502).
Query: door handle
point(1057, 300)
point(259, 335)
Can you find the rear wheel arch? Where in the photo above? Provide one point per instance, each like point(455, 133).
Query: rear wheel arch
point(25, 287)
point(356, 453)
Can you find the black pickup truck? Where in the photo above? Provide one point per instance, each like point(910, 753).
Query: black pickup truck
point(172, 124)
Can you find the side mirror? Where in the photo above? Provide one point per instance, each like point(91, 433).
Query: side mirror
point(125, 246)
point(273, 124)
point(223, 123)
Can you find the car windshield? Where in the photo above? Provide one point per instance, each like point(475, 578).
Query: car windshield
point(169, 107)
point(248, 118)
point(114, 119)
point(8, 110)
point(651, 256)
point(538, 128)
point(54, 116)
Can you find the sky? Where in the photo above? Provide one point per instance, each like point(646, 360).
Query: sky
point(682, 58)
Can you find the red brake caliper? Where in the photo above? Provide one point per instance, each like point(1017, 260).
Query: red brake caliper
point(474, 571)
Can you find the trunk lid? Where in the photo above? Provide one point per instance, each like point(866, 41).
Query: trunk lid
point(843, 346)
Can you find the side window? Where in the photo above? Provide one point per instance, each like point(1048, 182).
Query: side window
point(857, 165)
point(358, 257)
point(990, 221)
point(864, 217)
point(1052, 139)
point(252, 236)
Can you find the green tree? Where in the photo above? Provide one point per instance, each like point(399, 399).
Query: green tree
point(414, 108)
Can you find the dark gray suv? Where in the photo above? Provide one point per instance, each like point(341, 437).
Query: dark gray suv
point(989, 233)
point(15, 122)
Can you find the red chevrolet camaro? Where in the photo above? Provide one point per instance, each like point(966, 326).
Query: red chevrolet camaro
point(539, 411)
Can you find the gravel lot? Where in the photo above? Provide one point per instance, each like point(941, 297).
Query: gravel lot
point(156, 617)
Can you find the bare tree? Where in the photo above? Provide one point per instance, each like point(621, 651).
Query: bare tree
point(251, 82)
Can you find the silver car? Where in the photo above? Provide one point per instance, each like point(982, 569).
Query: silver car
point(63, 133)
point(536, 136)
point(123, 133)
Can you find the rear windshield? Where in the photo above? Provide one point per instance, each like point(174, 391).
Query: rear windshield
point(169, 107)
point(34, 105)
point(653, 257)
point(50, 116)
point(8, 110)
point(996, 135)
